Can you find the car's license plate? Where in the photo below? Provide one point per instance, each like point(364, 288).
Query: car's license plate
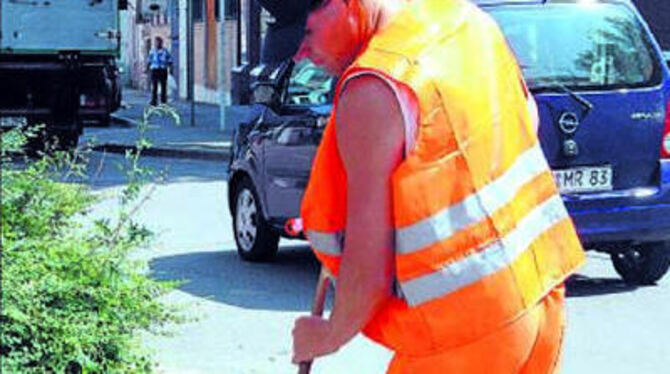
point(584, 179)
point(13, 121)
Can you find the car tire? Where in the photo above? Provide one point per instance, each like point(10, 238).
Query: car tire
point(105, 120)
point(643, 264)
point(256, 240)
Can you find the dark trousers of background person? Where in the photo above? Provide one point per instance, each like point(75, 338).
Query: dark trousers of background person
point(158, 76)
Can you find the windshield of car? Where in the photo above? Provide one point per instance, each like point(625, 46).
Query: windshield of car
point(580, 45)
point(309, 84)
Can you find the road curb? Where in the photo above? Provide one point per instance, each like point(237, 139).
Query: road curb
point(196, 154)
point(123, 121)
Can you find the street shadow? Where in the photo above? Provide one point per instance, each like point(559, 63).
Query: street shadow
point(287, 284)
point(582, 286)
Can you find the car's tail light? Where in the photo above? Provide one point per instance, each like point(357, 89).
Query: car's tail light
point(665, 143)
point(293, 227)
point(87, 101)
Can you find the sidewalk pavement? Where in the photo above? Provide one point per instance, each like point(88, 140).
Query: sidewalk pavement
point(205, 140)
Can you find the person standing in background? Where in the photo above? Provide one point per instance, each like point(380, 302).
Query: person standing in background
point(158, 63)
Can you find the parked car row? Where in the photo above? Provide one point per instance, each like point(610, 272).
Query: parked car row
point(602, 89)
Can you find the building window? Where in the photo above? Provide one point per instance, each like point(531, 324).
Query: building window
point(198, 10)
point(232, 8)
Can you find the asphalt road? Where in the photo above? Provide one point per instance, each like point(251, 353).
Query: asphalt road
point(245, 311)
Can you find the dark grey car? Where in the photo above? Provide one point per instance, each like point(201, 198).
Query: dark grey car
point(272, 154)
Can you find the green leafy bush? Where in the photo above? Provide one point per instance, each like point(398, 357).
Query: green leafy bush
point(73, 300)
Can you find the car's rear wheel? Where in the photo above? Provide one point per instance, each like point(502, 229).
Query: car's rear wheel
point(642, 264)
point(256, 240)
point(65, 140)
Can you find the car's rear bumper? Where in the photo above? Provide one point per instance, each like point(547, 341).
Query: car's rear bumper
point(635, 215)
point(92, 114)
point(624, 224)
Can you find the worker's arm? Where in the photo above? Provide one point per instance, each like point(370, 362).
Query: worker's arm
point(370, 138)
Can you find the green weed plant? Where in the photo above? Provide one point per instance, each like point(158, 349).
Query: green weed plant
point(74, 298)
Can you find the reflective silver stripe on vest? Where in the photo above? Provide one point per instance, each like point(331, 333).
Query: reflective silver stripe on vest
point(457, 217)
point(330, 243)
point(491, 259)
point(333, 244)
point(395, 288)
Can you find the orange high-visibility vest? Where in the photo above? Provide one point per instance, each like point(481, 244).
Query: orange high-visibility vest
point(481, 233)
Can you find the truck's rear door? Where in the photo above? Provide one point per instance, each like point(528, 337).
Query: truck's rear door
point(58, 25)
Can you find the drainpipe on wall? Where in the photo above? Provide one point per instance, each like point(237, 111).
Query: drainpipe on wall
point(224, 90)
point(191, 60)
point(174, 38)
point(183, 49)
point(211, 46)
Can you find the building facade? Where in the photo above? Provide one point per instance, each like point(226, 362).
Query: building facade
point(146, 19)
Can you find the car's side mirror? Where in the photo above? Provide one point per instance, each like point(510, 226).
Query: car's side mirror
point(265, 93)
point(270, 83)
point(123, 4)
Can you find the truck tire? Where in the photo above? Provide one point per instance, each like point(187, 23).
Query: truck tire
point(256, 240)
point(105, 120)
point(643, 264)
point(65, 140)
point(52, 140)
point(117, 100)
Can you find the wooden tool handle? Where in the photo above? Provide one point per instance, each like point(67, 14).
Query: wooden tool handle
point(305, 367)
point(318, 305)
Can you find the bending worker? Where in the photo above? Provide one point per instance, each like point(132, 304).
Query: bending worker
point(430, 202)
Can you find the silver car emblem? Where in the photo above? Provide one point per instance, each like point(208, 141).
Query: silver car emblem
point(646, 116)
point(570, 148)
point(568, 122)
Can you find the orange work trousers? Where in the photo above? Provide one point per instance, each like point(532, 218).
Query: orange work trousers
point(529, 345)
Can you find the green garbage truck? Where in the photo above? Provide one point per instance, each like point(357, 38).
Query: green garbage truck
point(58, 65)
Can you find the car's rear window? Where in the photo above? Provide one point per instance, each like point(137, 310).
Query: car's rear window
point(580, 45)
point(309, 84)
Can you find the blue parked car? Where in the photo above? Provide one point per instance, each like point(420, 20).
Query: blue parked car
point(602, 90)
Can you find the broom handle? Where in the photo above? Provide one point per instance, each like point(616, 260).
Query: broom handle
point(317, 311)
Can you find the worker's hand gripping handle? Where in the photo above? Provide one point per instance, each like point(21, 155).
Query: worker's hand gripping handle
point(317, 310)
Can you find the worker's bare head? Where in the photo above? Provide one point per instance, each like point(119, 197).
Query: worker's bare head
point(335, 32)
point(159, 42)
